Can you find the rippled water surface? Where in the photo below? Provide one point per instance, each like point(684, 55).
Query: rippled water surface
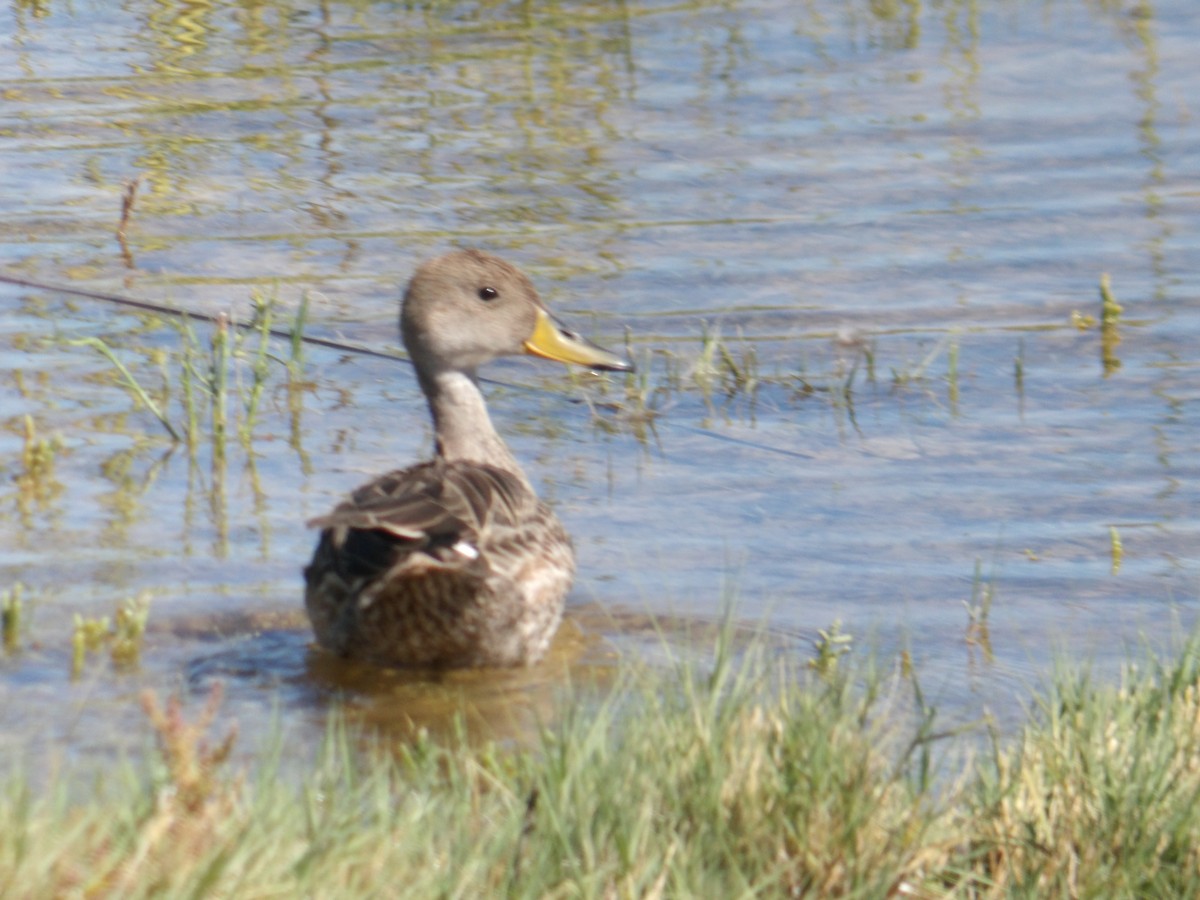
point(855, 248)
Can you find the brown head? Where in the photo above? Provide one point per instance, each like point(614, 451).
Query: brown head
point(468, 307)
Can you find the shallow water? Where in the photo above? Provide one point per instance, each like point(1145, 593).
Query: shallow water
point(890, 213)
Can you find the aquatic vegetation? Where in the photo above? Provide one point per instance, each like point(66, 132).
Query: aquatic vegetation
point(1110, 321)
point(122, 634)
point(717, 367)
point(952, 376)
point(89, 635)
point(911, 373)
point(639, 405)
point(36, 482)
point(129, 625)
point(235, 362)
point(1110, 318)
point(132, 384)
point(979, 610)
point(295, 360)
point(724, 374)
point(12, 607)
point(1110, 309)
point(128, 197)
point(1019, 370)
point(1082, 321)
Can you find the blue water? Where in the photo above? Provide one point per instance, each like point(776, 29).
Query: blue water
point(942, 188)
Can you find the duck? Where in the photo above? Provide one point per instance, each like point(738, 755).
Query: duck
point(455, 562)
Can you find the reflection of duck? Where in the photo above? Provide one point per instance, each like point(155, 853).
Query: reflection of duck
point(453, 562)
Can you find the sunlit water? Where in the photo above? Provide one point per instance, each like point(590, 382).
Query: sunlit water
point(895, 216)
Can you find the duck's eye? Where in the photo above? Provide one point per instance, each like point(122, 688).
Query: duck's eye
point(488, 293)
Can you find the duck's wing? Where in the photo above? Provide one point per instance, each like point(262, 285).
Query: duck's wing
point(442, 514)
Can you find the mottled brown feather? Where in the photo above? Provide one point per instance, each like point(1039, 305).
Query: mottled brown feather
point(430, 566)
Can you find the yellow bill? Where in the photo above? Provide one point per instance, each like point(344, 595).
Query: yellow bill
point(552, 340)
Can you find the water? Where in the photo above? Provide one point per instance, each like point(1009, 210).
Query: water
point(895, 216)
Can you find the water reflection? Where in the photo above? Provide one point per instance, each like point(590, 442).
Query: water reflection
point(847, 239)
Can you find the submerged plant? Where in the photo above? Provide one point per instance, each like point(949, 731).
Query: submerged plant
point(11, 610)
point(36, 481)
point(129, 626)
point(218, 381)
point(952, 376)
point(1110, 335)
point(122, 634)
point(979, 609)
point(89, 635)
point(1082, 321)
point(638, 406)
point(234, 358)
point(718, 366)
point(1019, 373)
point(917, 372)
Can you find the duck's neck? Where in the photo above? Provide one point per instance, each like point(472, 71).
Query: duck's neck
point(461, 424)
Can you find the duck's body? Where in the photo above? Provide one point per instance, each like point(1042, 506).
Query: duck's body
point(454, 562)
point(444, 564)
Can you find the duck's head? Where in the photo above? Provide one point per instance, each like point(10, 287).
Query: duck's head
point(468, 307)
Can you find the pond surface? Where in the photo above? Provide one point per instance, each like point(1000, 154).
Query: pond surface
point(856, 249)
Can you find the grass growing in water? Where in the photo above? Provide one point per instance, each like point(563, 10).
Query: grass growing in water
point(729, 374)
point(749, 779)
point(979, 610)
point(36, 481)
point(122, 634)
point(12, 606)
point(1110, 322)
point(1116, 548)
point(721, 371)
point(236, 363)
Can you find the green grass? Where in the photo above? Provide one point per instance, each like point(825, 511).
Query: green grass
point(721, 372)
point(753, 779)
point(121, 635)
point(979, 610)
point(36, 481)
point(1110, 327)
point(729, 374)
point(233, 367)
point(12, 606)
